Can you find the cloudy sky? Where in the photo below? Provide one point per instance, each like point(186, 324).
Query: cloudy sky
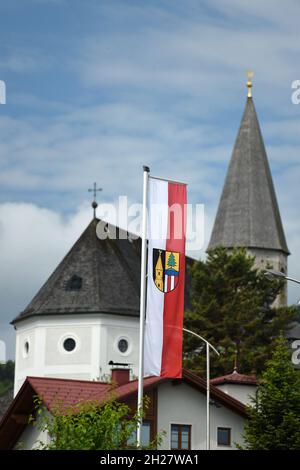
point(97, 88)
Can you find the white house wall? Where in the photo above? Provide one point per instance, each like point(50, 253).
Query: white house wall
point(243, 393)
point(32, 436)
point(182, 404)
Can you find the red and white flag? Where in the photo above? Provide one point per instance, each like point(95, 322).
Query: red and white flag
point(165, 280)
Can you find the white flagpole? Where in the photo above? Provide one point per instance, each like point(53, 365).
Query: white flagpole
point(208, 345)
point(207, 398)
point(142, 302)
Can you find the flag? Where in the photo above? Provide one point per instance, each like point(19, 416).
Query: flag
point(165, 278)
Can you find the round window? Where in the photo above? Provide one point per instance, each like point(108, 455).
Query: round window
point(69, 344)
point(123, 345)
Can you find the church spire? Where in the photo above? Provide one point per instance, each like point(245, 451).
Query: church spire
point(248, 214)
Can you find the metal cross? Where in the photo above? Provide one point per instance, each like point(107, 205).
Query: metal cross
point(94, 203)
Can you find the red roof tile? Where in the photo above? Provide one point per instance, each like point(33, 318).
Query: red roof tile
point(70, 392)
point(132, 387)
point(235, 378)
point(54, 391)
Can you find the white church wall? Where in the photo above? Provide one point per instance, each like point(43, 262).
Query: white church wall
point(55, 352)
point(181, 404)
point(25, 358)
point(112, 331)
point(96, 339)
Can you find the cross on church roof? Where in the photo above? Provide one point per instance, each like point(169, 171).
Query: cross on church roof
point(94, 203)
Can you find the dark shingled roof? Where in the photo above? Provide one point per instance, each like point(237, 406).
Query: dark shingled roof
point(248, 213)
point(96, 276)
point(110, 278)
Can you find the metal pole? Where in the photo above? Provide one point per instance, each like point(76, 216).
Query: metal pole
point(208, 345)
point(292, 279)
point(203, 339)
point(269, 272)
point(207, 398)
point(142, 304)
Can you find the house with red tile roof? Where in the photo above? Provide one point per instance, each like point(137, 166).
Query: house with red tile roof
point(240, 386)
point(177, 407)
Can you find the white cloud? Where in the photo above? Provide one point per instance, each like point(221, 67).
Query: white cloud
point(33, 240)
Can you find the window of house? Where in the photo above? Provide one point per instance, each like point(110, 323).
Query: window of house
point(145, 435)
point(180, 436)
point(224, 437)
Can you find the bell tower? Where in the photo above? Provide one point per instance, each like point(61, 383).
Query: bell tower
point(248, 213)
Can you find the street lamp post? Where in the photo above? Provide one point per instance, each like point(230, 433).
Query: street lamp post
point(270, 273)
point(208, 345)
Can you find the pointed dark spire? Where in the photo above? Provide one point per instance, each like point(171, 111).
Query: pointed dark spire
point(248, 214)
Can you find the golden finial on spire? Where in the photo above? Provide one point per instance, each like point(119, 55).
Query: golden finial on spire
point(250, 75)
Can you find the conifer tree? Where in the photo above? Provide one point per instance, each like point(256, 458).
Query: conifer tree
point(231, 306)
point(274, 419)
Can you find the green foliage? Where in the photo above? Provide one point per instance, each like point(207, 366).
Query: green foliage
point(274, 420)
point(232, 308)
point(7, 371)
point(5, 386)
point(88, 426)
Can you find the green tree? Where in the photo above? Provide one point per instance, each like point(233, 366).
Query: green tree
point(7, 371)
point(274, 420)
point(231, 306)
point(88, 426)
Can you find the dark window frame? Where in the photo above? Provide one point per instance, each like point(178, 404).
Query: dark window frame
point(223, 428)
point(180, 427)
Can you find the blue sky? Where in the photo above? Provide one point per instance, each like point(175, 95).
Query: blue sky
point(96, 89)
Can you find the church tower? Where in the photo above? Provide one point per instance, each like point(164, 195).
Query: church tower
point(248, 214)
point(86, 314)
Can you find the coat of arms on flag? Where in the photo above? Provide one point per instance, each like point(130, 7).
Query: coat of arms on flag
point(165, 269)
